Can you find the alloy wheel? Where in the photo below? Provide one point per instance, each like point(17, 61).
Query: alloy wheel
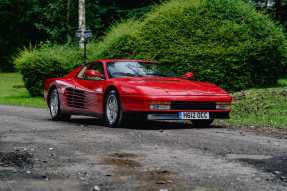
point(54, 103)
point(112, 109)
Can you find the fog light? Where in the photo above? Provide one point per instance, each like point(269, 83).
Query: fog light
point(223, 106)
point(160, 106)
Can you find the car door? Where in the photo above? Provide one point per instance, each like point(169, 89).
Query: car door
point(89, 90)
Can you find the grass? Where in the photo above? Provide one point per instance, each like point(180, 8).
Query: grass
point(13, 92)
point(261, 107)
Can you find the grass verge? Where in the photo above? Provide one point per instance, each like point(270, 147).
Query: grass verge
point(13, 92)
point(260, 107)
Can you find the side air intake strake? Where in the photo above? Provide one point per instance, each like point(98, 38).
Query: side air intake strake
point(75, 98)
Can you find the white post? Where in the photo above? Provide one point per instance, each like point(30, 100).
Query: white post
point(82, 22)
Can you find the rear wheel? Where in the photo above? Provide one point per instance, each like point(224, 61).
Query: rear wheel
point(54, 106)
point(201, 123)
point(114, 116)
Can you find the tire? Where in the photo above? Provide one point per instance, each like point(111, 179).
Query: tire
point(202, 123)
point(54, 107)
point(113, 113)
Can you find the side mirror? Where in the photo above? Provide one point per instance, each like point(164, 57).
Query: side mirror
point(93, 74)
point(188, 75)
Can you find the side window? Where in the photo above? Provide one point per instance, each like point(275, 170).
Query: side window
point(97, 66)
point(81, 73)
point(93, 71)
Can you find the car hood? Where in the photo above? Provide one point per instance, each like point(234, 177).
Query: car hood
point(157, 86)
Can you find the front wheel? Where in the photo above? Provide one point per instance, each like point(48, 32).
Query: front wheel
point(114, 116)
point(201, 123)
point(54, 106)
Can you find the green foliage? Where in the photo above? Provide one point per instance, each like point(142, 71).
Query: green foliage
point(25, 22)
point(17, 28)
point(223, 41)
point(47, 61)
point(118, 43)
point(282, 82)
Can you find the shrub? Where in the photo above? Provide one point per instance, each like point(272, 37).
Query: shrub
point(226, 42)
point(222, 41)
point(47, 61)
point(118, 43)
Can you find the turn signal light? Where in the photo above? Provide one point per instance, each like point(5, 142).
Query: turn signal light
point(158, 105)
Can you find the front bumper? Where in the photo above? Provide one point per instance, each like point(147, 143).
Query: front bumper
point(178, 103)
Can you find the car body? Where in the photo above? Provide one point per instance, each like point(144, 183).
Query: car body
point(134, 89)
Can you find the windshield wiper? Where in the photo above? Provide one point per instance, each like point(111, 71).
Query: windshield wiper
point(157, 74)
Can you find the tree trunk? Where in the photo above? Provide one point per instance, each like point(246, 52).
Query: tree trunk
point(82, 22)
point(266, 4)
point(278, 6)
point(68, 18)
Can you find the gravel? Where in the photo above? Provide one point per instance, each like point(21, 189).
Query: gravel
point(83, 155)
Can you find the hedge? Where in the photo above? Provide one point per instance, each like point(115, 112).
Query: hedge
point(44, 62)
point(226, 42)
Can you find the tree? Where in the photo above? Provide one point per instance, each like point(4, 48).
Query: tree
point(25, 22)
point(17, 29)
point(276, 8)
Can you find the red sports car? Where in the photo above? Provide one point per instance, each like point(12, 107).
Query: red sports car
point(119, 91)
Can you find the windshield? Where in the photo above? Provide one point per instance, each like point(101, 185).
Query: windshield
point(136, 69)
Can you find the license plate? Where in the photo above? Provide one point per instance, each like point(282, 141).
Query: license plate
point(194, 115)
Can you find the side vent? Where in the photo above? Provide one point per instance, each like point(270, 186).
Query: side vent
point(75, 98)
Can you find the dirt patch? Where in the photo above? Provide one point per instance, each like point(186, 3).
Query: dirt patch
point(123, 155)
point(147, 179)
point(121, 162)
point(17, 159)
point(158, 176)
point(158, 179)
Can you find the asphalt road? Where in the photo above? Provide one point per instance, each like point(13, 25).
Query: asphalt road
point(37, 154)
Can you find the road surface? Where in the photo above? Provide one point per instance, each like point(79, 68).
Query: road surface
point(37, 154)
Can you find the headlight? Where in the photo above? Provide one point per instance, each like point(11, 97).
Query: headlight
point(223, 106)
point(160, 105)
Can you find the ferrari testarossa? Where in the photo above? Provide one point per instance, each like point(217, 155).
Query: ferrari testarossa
point(119, 91)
